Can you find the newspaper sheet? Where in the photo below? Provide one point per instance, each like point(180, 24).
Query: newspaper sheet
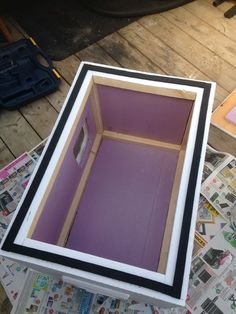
point(13, 181)
point(212, 285)
point(212, 282)
point(219, 188)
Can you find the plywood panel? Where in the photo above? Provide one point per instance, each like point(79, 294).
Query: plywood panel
point(205, 60)
point(5, 155)
point(214, 16)
point(199, 30)
point(126, 55)
point(16, 132)
point(161, 54)
point(41, 116)
point(57, 98)
point(95, 53)
point(221, 141)
point(68, 67)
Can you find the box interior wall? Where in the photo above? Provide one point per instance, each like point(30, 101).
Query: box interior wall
point(129, 184)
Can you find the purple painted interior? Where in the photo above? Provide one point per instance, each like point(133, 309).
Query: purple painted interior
point(56, 208)
point(123, 209)
point(142, 114)
point(231, 115)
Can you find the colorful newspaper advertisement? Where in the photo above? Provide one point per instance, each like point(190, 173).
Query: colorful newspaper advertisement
point(12, 277)
point(13, 181)
point(212, 286)
point(219, 188)
point(5, 304)
point(213, 159)
point(209, 221)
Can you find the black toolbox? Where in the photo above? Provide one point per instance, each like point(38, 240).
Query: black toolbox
point(26, 74)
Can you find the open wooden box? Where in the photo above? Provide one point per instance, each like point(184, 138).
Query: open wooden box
point(112, 203)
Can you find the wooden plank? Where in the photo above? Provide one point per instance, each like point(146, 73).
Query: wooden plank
point(218, 116)
point(198, 29)
point(16, 132)
point(173, 201)
point(78, 194)
point(126, 55)
point(59, 163)
point(224, 6)
point(214, 16)
point(57, 98)
point(41, 116)
point(68, 68)
point(95, 53)
point(6, 155)
point(161, 54)
point(96, 109)
point(144, 88)
point(205, 60)
point(221, 141)
point(139, 140)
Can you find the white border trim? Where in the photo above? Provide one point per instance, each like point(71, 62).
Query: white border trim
point(168, 277)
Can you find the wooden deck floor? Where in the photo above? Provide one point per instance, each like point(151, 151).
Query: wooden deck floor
point(194, 41)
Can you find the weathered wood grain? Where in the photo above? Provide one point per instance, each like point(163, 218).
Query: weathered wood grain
point(126, 55)
point(191, 50)
point(161, 54)
point(16, 132)
point(95, 53)
point(214, 16)
point(41, 116)
point(68, 67)
point(5, 155)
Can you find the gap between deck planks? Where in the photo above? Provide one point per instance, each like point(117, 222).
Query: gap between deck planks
point(194, 41)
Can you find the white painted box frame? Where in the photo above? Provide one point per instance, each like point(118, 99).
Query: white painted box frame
point(113, 277)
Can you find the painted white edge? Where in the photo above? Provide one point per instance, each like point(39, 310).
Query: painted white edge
point(197, 194)
point(24, 230)
point(169, 275)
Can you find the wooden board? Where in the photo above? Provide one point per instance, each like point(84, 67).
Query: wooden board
point(211, 65)
point(96, 54)
point(122, 51)
point(160, 53)
point(17, 133)
point(79, 192)
point(173, 201)
point(221, 118)
point(135, 139)
point(41, 116)
point(59, 163)
point(6, 155)
point(155, 90)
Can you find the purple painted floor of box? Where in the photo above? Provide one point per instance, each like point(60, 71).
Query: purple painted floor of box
point(128, 192)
